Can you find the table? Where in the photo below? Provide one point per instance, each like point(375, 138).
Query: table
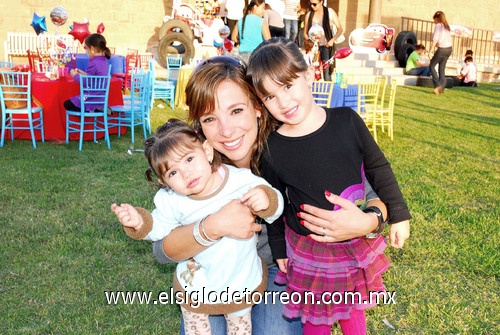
point(182, 80)
point(52, 94)
point(117, 62)
point(345, 96)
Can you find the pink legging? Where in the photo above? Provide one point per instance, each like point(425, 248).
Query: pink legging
point(355, 325)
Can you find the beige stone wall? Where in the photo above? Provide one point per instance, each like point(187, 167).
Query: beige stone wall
point(135, 23)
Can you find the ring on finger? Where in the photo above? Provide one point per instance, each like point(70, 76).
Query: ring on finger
point(323, 230)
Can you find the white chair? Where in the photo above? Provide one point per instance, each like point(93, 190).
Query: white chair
point(18, 112)
point(93, 114)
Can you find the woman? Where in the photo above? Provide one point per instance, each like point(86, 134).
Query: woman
point(252, 29)
point(329, 20)
point(441, 40)
point(223, 106)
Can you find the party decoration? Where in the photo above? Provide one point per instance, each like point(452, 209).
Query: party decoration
point(38, 23)
point(58, 16)
point(342, 52)
point(100, 28)
point(228, 45)
point(316, 32)
point(224, 32)
point(80, 31)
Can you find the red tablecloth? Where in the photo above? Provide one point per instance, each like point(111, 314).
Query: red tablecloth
point(52, 94)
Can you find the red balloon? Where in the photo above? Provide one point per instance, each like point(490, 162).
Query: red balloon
point(343, 52)
point(80, 31)
point(228, 45)
point(100, 28)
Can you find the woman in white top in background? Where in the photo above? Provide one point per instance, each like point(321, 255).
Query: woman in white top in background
point(441, 39)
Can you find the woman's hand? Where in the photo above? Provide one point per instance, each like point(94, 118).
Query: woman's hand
point(234, 220)
point(335, 226)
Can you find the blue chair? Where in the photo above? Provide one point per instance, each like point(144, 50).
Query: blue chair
point(135, 110)
point(18, 111)
point(174, 63)
point(161, 89)
point(93, 114)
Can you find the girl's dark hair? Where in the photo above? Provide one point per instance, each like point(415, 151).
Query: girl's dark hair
point(278, 59)
point(173, 137)
point(201, 97)
point(441, 18)
point(99, 42)
point(419, 47)
point(246, 11)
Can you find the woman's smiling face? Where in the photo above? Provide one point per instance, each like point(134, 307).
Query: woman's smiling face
point(231, 128)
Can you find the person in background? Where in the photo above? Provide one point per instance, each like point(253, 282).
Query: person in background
point(468, 75)
point(98, 52)
point(300, 31)
point(299, 162)
point(251, 30)
point(326, 18)
point(459, 79)
point(441, 42)
point(291, 19)
point(414, 66)
point(274, 21)
point(234, 12)
point(193, 183)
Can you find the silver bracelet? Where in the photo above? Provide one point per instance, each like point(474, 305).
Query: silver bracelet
point(197, 236)
point(204, 232)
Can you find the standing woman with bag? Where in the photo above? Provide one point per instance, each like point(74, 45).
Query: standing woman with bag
point(328, 19)
point(441, 39)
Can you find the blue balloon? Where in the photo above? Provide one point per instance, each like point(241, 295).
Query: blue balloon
point(38, 23)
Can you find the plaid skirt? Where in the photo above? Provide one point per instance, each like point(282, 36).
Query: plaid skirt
point(342, 273)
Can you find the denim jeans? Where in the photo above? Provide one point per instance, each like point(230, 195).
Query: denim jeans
point(291, 29)
point(266, 318)
point(424, 71)
point(440, 58)
point(325, 55)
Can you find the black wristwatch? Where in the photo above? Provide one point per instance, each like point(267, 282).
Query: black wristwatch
point(381, 222)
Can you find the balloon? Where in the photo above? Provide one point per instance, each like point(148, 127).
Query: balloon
point(100, 28)
point(217, 42)
point(224, 31)
point(316, 32)
point(60, 43)
point(80, 31)
point(38, 23)
point(228, 45)
point(343, 52)
point(58, 16)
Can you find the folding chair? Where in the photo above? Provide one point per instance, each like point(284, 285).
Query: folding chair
point(131, 62)
point(322, 93)
point(18, 111)
point(161, 89)
point(384, 114)
point(174, 63)
point(135, 111)
point(367, 103)
point(93, 114)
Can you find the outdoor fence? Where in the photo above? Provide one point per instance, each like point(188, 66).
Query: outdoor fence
point(484, 43)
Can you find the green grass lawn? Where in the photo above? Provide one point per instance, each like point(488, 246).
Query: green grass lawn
point(61, 246)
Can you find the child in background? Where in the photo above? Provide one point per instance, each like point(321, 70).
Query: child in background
point(468, 75)
point(332, 149)
point(414, 66)
point(193, 183)
point(95, 45)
